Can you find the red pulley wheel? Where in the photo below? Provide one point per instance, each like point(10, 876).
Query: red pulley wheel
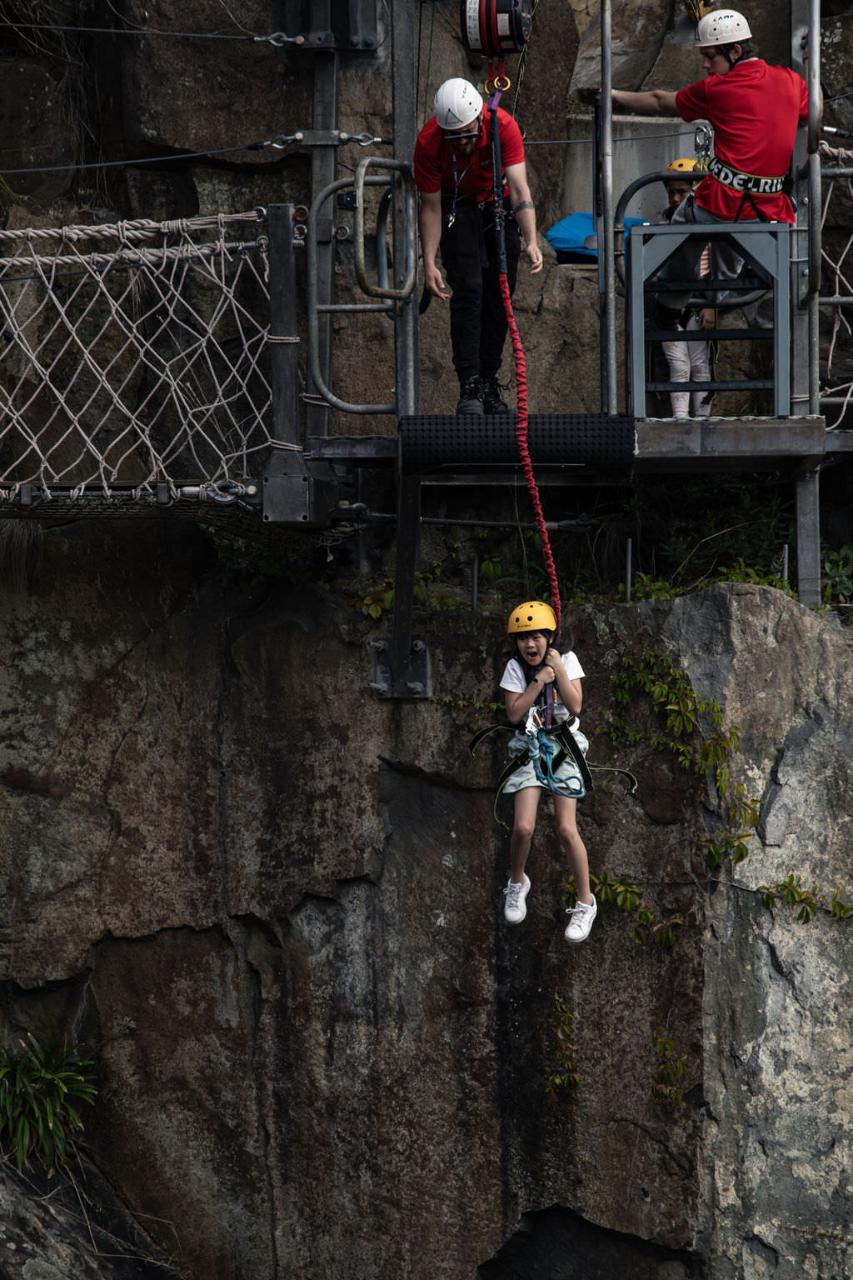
point(496, 27)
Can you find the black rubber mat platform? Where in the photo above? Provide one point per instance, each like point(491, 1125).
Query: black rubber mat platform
point(592, 439)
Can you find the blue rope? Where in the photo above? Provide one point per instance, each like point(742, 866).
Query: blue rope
point(542, 749)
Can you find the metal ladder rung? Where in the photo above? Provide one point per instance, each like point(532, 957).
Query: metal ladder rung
point(740, 285)
point(756, 384)
point(709, 335)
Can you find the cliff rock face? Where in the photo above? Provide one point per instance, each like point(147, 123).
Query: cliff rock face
point(270, 904)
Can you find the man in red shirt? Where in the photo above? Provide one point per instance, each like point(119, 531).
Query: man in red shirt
point(755, 109)
point(453, 171)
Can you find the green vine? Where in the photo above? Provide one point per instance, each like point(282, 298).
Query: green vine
point(611, 893)
point(465, 704)
point(669, 1075)
point(791, 892)
point(566, 1077)
point(680, 712)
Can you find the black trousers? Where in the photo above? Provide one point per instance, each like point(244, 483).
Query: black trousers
point(469, 256)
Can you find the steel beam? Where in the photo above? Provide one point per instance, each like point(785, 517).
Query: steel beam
point(408, 658)
point(323, 162)
point(605, 232)
point(808, 537)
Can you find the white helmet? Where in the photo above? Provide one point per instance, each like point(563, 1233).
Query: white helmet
point(722, 26)
point(456, 104)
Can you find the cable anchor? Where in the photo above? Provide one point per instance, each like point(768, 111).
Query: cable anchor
point(278, 39)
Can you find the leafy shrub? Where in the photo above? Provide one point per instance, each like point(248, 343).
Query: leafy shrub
point(838, 575)
point(39, 1094)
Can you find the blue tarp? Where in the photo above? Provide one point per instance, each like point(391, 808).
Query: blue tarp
point(568, 235)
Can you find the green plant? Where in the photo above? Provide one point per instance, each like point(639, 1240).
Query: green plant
point(259, 560)
point(669, 1076)
point(611, 893)
point(807, 900)
point(740, 571)
point(40, 1091)
point(376, 600)
point(491, 568)
point(566, 1077)
point(465, 704)
point(645, 587)
point(838, 575)
point(680, 713)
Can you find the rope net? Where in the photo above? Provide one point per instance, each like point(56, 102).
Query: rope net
point(134, 354)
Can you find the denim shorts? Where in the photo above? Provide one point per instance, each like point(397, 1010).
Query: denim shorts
point(568, 771)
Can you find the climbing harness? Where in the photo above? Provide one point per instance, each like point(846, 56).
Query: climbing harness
point(547, 750)
point(457, 179)
point(746, 182)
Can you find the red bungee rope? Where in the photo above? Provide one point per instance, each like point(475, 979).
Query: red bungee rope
point(523, 446)
point(499, 82)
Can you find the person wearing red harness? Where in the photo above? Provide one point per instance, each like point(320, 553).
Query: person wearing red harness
point(755, 109)
point(453, 171)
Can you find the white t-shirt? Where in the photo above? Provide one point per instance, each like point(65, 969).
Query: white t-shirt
point(514, 681)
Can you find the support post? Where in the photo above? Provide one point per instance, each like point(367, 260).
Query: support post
point(404, 93)
point(292, 492)
point(283, 339)
point(286, 487)
point(407, 674)
point(800, 309)
point(815, 205)
point(605, 232)
point(782, 323)
point(323, 163)
point(635, 303)
point(808, 537)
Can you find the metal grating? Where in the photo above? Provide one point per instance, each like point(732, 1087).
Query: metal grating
point(590, 439)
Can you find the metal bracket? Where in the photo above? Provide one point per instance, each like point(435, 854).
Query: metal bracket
point(414, 681)
point(297, 492)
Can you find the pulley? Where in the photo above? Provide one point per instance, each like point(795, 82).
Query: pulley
point(495, 28)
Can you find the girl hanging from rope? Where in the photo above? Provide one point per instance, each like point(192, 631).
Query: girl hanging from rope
point(542, 691)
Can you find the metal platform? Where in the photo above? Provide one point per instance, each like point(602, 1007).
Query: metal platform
point(744, 443)
point(586, 439)
point(563, 445)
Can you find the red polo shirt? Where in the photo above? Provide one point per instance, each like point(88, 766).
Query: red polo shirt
point(755, 109)
point(433, 164)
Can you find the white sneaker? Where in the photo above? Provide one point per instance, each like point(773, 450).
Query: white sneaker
point(515, 908)
point(581, 916)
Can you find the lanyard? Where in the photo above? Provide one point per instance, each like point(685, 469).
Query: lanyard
point(457, 178)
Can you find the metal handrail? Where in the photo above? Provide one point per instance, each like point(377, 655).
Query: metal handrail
point(314, 308)
point(367, 286)
point(619, 226)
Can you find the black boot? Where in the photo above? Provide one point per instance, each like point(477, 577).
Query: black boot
point(493, 401)
point(470, 397)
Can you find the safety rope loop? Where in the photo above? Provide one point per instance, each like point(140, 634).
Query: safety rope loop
point(497, 82)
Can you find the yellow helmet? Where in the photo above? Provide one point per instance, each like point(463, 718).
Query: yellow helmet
point(533, 615)
point(684, 165)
